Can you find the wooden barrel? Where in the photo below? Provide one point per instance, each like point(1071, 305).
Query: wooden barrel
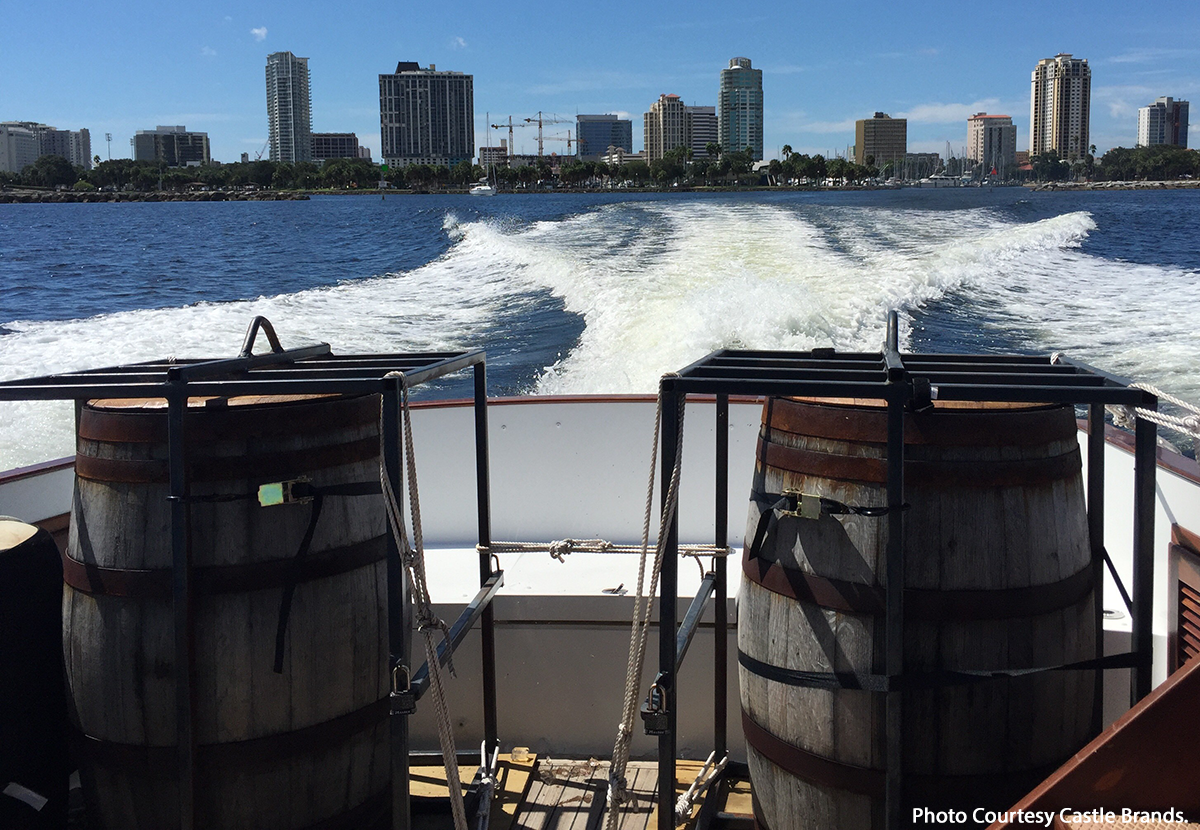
point(33, 705)
point(299, 748)
point(997, 577)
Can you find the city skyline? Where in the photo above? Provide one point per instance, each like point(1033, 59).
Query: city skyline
point(823, 69)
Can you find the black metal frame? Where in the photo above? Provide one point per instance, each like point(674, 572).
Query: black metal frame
point(904, 382)
point(311, 370)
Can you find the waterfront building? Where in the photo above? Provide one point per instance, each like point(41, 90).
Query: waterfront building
point(174, 145)
point(20, 139)
point(1060, 107)
point(992, 143)
point(620, 156)
point(494, 156)
point(663, 126)
point(336, 146)
point(19, 147)
point(740, 108)
point(596, 133)
point(701, 127)
point(289, 108)
point(1163, 122)
point(426, 116)
point(882, 139)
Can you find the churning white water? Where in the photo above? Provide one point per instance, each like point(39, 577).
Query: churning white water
point(657, 285)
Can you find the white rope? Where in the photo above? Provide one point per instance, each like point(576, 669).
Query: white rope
point(427, 622)
point(618, 790)
point(1125, 416)
point(560, 548)
point(704, 779)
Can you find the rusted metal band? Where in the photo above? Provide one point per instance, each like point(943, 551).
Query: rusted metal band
point(161, 761)
point(266, 467)
point(921, 604)
point(925, 788)
point(266, 419)
point(1025, 426)
point(223, 579)
point(816, 769)
point(972, 473)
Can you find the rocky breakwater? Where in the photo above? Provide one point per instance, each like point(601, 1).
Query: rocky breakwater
point(1171, 184)
point(16, 196)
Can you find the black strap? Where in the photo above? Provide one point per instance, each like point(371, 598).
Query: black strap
point(771, 503)
point(305, 490)
point(911, 681)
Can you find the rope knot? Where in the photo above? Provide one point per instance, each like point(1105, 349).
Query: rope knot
point(562, 548)
point(618, 792)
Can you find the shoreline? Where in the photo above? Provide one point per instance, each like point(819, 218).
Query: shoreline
point(34, 196)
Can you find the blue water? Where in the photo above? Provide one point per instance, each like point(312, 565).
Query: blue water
point(603, 293)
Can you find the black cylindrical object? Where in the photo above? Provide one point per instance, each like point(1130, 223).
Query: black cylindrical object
point(34, 763)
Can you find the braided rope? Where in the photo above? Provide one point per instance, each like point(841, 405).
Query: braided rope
point(558, 549)
point(1125, 416)
point(428, 622)
point(618, 789)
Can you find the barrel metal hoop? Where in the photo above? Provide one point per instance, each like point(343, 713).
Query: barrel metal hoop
point(816, 769)
point(921, 604)
point(269, 466)
point(162, 761)
point(834, 774)
point(209, 580)
point(942, 473)
point(1039, 425)
point(126, 425)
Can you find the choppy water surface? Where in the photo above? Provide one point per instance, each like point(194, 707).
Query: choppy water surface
point(585, 293)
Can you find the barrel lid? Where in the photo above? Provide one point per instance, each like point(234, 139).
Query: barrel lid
point(14, 532)
point(200, 402)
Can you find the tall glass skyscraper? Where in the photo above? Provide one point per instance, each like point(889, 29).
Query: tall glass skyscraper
point(426, 116)
point(289, 108)
point(740, 108)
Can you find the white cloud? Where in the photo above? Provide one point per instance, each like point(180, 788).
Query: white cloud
point(1123, 101)
point(260, 34)
point(1148, 55)
point(457, 43)
point(937, 113)
point(208, 51)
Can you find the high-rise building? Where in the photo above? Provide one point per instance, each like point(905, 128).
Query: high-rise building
point(289, 108)
point(670, 124)
point(19, 147)
point(663, 126)
point(426, 116)
point(73, 145)
point(1163, 122)
point(174, 145)
point(335, 146)
point(881, 139)
point(740, 108)
point(596, 133)
point(1060, 107)
point(701, 127)
point(992, 143)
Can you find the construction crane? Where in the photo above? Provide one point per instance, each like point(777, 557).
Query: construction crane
point(258, 156)
point(568, 139)
point(540, 120)
point(511, 146)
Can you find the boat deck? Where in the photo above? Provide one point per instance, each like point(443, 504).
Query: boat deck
point(569, 794)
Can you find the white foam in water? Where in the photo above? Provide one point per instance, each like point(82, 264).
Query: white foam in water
point(660, 284)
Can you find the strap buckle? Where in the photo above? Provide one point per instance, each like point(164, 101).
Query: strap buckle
point(808, 505)
point(294, 491)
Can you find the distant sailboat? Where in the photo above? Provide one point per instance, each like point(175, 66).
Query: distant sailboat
point(487, 185)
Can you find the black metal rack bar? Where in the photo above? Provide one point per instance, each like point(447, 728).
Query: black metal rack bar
point(902, 381)
point(308, 370)
point(691, 618)
point(458, 631)
point(721, 585)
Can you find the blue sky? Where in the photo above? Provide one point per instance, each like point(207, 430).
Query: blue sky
point(135, 65)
